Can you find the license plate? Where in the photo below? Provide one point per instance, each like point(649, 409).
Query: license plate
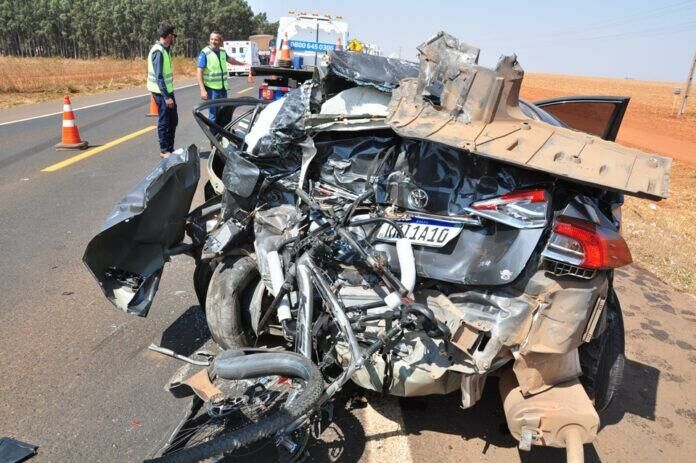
point(421, 231)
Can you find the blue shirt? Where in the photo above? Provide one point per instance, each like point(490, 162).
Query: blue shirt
point(203, 61)
point(157, 64)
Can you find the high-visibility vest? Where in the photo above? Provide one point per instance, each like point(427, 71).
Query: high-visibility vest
point(215, 72)
point(166, 70)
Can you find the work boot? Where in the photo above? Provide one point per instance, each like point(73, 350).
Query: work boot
point(165, 154)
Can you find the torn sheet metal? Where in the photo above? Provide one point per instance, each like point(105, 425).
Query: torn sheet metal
point(262, 125)
point(438, 65)
point(376, 71)
point(537, 372)
point(14, 451)
point(127, 256)
point(456, 102)
point(239, 175)
point(288, 125)
point(452, 180)
point(347, 160)
point(274, 152)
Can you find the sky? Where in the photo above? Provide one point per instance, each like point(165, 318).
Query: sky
point(637, 39)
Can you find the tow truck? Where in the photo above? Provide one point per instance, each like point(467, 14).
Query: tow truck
point(309, 37)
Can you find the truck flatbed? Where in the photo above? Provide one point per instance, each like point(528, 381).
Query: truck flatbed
point(299, 75)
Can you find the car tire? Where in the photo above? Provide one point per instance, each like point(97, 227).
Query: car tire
point(201, 279)
point(227, 305)
point(602, 359)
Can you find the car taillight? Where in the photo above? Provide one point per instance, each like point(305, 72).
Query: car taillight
point(519, 209)
point(582, 243)
point(266, 93)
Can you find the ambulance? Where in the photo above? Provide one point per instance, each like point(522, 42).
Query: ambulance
point(244, 51)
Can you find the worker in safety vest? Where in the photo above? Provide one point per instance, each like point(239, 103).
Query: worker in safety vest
point(212, 72)
point(160, 81)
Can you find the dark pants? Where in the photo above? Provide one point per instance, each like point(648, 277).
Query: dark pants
point(166, 124)
point(214, 95)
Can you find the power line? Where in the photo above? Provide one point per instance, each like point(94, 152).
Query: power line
point(565, 44)
point(651, 14)
point(651, 31)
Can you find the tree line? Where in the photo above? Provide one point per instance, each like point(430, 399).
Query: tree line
point(120, 28)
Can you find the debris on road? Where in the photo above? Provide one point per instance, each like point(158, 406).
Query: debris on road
point(14, 451)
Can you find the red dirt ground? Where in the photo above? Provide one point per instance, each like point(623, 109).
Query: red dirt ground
point(648, 123)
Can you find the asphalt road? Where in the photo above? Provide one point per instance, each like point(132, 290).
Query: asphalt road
point(79, 382)
point(77, 378)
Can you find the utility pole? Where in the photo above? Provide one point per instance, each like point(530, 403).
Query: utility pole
point(682, 110)
point(675, 100)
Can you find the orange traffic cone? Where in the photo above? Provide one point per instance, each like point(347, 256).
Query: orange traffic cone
point(285, 60)
point(271, 59)
point(71, 136)
point(154, 110)
point(339, 45)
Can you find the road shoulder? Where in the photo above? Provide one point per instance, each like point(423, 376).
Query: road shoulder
point(45, 108)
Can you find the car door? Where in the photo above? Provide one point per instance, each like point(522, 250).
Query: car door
point(142, 231)
point(596, 115)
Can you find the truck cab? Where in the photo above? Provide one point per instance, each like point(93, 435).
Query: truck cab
point(311, 36)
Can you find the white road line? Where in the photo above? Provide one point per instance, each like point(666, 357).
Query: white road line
point(90, 106)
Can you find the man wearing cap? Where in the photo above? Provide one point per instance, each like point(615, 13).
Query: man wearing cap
point(160, 82)
point(212, 72)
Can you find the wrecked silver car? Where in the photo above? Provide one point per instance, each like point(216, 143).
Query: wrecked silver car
point(412, 228)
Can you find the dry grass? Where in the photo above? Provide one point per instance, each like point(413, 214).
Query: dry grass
point(660, 235)
point(30, 80)
point(649, 123)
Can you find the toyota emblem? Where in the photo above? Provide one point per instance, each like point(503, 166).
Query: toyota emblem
point(418, 198)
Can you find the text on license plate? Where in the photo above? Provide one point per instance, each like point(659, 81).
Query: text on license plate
point(422, 232)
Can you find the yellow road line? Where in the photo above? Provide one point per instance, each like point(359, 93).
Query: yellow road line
point(97, 150)
point(245, 90)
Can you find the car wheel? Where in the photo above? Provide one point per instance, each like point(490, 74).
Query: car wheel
point(228, 302)
point(201, 280)
point(602, 359)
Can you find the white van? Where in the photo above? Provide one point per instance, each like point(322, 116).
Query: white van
point(311, 36)
point(242, 50)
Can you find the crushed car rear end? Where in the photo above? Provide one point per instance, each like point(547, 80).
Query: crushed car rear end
point(513, 217)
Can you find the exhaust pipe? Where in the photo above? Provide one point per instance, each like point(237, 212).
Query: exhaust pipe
point(277, 278)
point(305, 307)
point(562, 416)
point(573, 444)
